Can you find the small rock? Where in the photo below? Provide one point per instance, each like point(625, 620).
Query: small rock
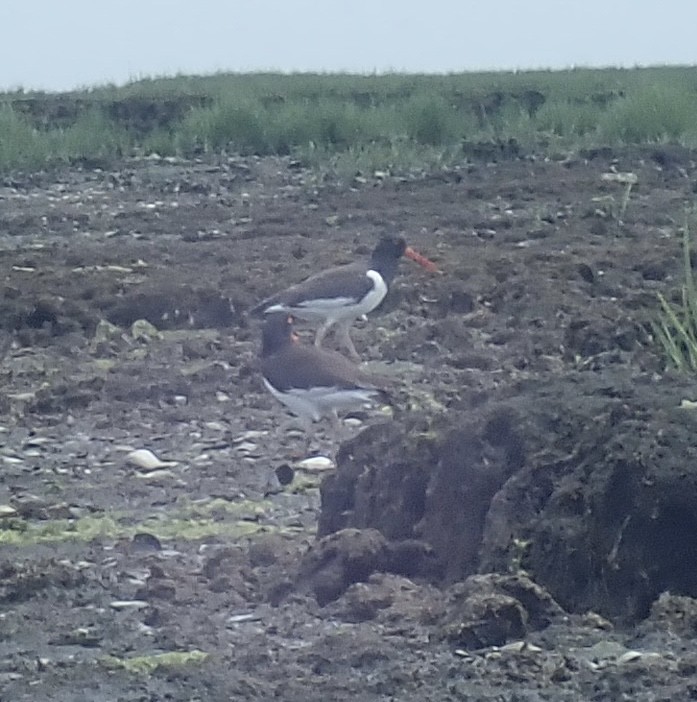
point(246, 446)
point(154, 475)
point(143, 541)
point(239, 618)
point(284, 474)
point(250, 435)
point(315, 463)
point(629, 656)
point(146, 459)
point(7, 511)
point(519, 647)
point(128, 604)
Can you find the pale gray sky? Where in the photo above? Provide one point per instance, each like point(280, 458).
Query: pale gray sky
point(63, 44)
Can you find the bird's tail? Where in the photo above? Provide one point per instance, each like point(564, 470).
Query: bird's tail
point(385, 387)
point(259, 310)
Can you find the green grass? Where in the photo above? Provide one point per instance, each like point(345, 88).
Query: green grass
point(92, 136)
point(374, 122)
point(20, 145)
point(654, 113)
point(675, 329)
point(568, 120)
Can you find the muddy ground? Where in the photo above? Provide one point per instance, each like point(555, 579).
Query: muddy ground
point(521, 527)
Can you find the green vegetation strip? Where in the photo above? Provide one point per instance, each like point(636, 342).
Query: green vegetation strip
point(351, 122)
point(186, 521)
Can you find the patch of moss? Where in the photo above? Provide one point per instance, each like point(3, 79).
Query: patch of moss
point(144, 665)
point(422, 400)
point(305, 483)
point(187, 521)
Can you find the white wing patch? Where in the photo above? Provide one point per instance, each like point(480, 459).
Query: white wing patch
point(315, 403)
point(329, 303)
point(278, 307)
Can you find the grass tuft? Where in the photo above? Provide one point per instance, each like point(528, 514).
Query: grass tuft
point(675, 329)
point(20, 144)
point(92, 136)
point(431, 120)
point(654, 113)
point(563, 118)
point(228, 125)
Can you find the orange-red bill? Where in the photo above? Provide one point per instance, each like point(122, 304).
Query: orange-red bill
point(421, 260)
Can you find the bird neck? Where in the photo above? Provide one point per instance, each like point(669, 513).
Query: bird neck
point(387, 268)
point(272, 343)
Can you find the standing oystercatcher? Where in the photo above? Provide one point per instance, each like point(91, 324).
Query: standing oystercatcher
point(312, 382)
point(340, 295)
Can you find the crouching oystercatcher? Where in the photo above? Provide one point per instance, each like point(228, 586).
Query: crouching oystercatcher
point(312, 382)
point(343, 294)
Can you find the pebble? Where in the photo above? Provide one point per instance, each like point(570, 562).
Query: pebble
point(144, 541)
point(38, 441)
point(157, 474)
point(215, 426)
point(239, 618)
point(249, 435)
point(247, 446)
point(519, 646)
point(146, 459)
point(11, 459)
point(128, 604)
point(315, 463)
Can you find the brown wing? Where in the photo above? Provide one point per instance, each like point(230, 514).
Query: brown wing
point(349, 282)
point(302, 367)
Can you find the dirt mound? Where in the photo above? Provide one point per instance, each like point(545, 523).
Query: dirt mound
point(580, 481)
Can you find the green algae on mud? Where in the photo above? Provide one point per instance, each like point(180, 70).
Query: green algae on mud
point(143, 665)
point(188, 521)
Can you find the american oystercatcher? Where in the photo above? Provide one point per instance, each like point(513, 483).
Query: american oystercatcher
point(311, 382)
point(340, 295)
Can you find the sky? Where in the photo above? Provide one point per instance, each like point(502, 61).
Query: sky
point(65, 44)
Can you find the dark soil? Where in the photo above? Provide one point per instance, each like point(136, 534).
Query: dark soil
point(521, 528)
